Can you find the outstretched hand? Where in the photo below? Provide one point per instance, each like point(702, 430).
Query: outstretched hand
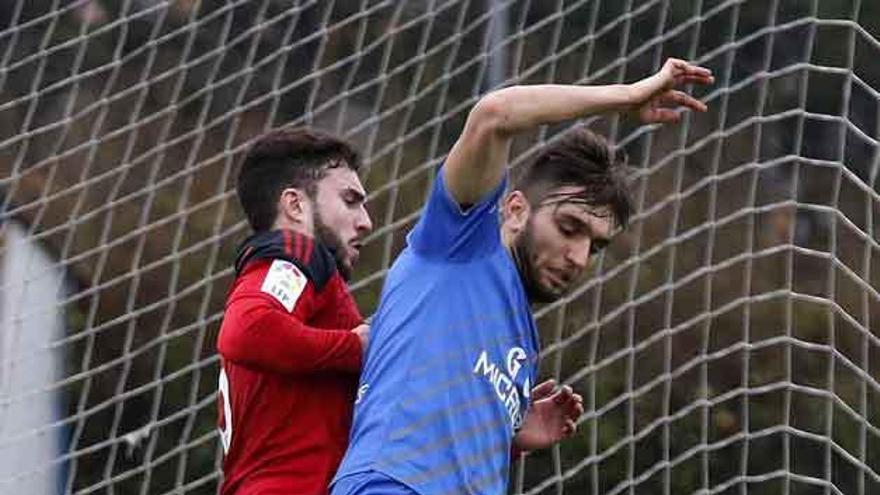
point(552, 416)
point(656, 97)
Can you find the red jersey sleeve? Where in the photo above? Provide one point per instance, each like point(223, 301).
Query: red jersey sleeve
point(260, 332)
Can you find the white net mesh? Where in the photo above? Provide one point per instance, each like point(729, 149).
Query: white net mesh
point(726, 344)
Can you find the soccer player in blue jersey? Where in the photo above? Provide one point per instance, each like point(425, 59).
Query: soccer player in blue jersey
point(446, 393)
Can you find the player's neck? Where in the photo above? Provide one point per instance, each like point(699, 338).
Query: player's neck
point(298, 227)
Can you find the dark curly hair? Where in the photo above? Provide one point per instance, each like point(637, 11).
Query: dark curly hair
point(287, 158)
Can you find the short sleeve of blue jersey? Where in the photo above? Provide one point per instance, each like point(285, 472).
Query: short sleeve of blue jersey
point(446, 231)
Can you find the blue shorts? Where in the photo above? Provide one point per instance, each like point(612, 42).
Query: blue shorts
point(370, 483)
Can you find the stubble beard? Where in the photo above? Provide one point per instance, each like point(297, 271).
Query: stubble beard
point(523, 251)
point(331, 240)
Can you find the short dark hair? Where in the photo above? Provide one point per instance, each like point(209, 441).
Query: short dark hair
point(287, 158)
point(580, 158)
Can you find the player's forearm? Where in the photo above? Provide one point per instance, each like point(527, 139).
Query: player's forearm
point(277, 343)
point(477, 162)
point(325, 350)
point(520, 108)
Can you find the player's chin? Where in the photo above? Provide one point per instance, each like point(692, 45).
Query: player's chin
point(556, 285)
point(556, 291)
point(350, 261)
point(352, 258)
point(345, 266)
point(547, 293)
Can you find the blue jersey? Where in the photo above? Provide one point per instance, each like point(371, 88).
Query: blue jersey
point(452, 357)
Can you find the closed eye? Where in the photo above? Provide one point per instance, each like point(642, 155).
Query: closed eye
point(571, 227)
point(353, 198)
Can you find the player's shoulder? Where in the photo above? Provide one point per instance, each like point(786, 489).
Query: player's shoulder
point(267, 283)
point(286, 253)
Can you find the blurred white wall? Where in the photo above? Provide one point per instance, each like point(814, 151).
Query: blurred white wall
point(31, 285)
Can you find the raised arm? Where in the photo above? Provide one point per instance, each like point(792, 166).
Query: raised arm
point(477, 161)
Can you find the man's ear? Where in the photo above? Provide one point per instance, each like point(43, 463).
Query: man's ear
point(294, 208)
point(516, 209)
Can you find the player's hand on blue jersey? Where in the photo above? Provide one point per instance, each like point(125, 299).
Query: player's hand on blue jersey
point(655, 98)
point(552, 416)
point(363, 333)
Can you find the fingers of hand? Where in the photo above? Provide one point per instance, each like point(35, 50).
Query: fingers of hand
point(674, 65)
point(699, 75)
point(683, 99)
point(542, 390)
point(574, 409)
point(661, 116)
point(563, 395)
point(684, 72)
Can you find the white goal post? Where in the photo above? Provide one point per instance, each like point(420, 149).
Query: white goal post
point(727, 342)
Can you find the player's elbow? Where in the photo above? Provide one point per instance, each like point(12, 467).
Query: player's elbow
point(233, 344)
point(226, 345)
point(491, 115)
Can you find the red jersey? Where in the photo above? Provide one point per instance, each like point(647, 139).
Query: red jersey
point(289, 368)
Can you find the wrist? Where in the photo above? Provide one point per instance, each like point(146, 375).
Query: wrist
point(516, 451)
point(637, 92)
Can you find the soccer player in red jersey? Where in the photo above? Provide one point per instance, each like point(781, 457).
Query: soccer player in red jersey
point(292, 338)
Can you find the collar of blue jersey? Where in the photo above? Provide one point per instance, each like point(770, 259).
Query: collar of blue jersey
point(310, 256)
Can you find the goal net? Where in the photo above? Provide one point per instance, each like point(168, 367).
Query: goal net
point(725, 343)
